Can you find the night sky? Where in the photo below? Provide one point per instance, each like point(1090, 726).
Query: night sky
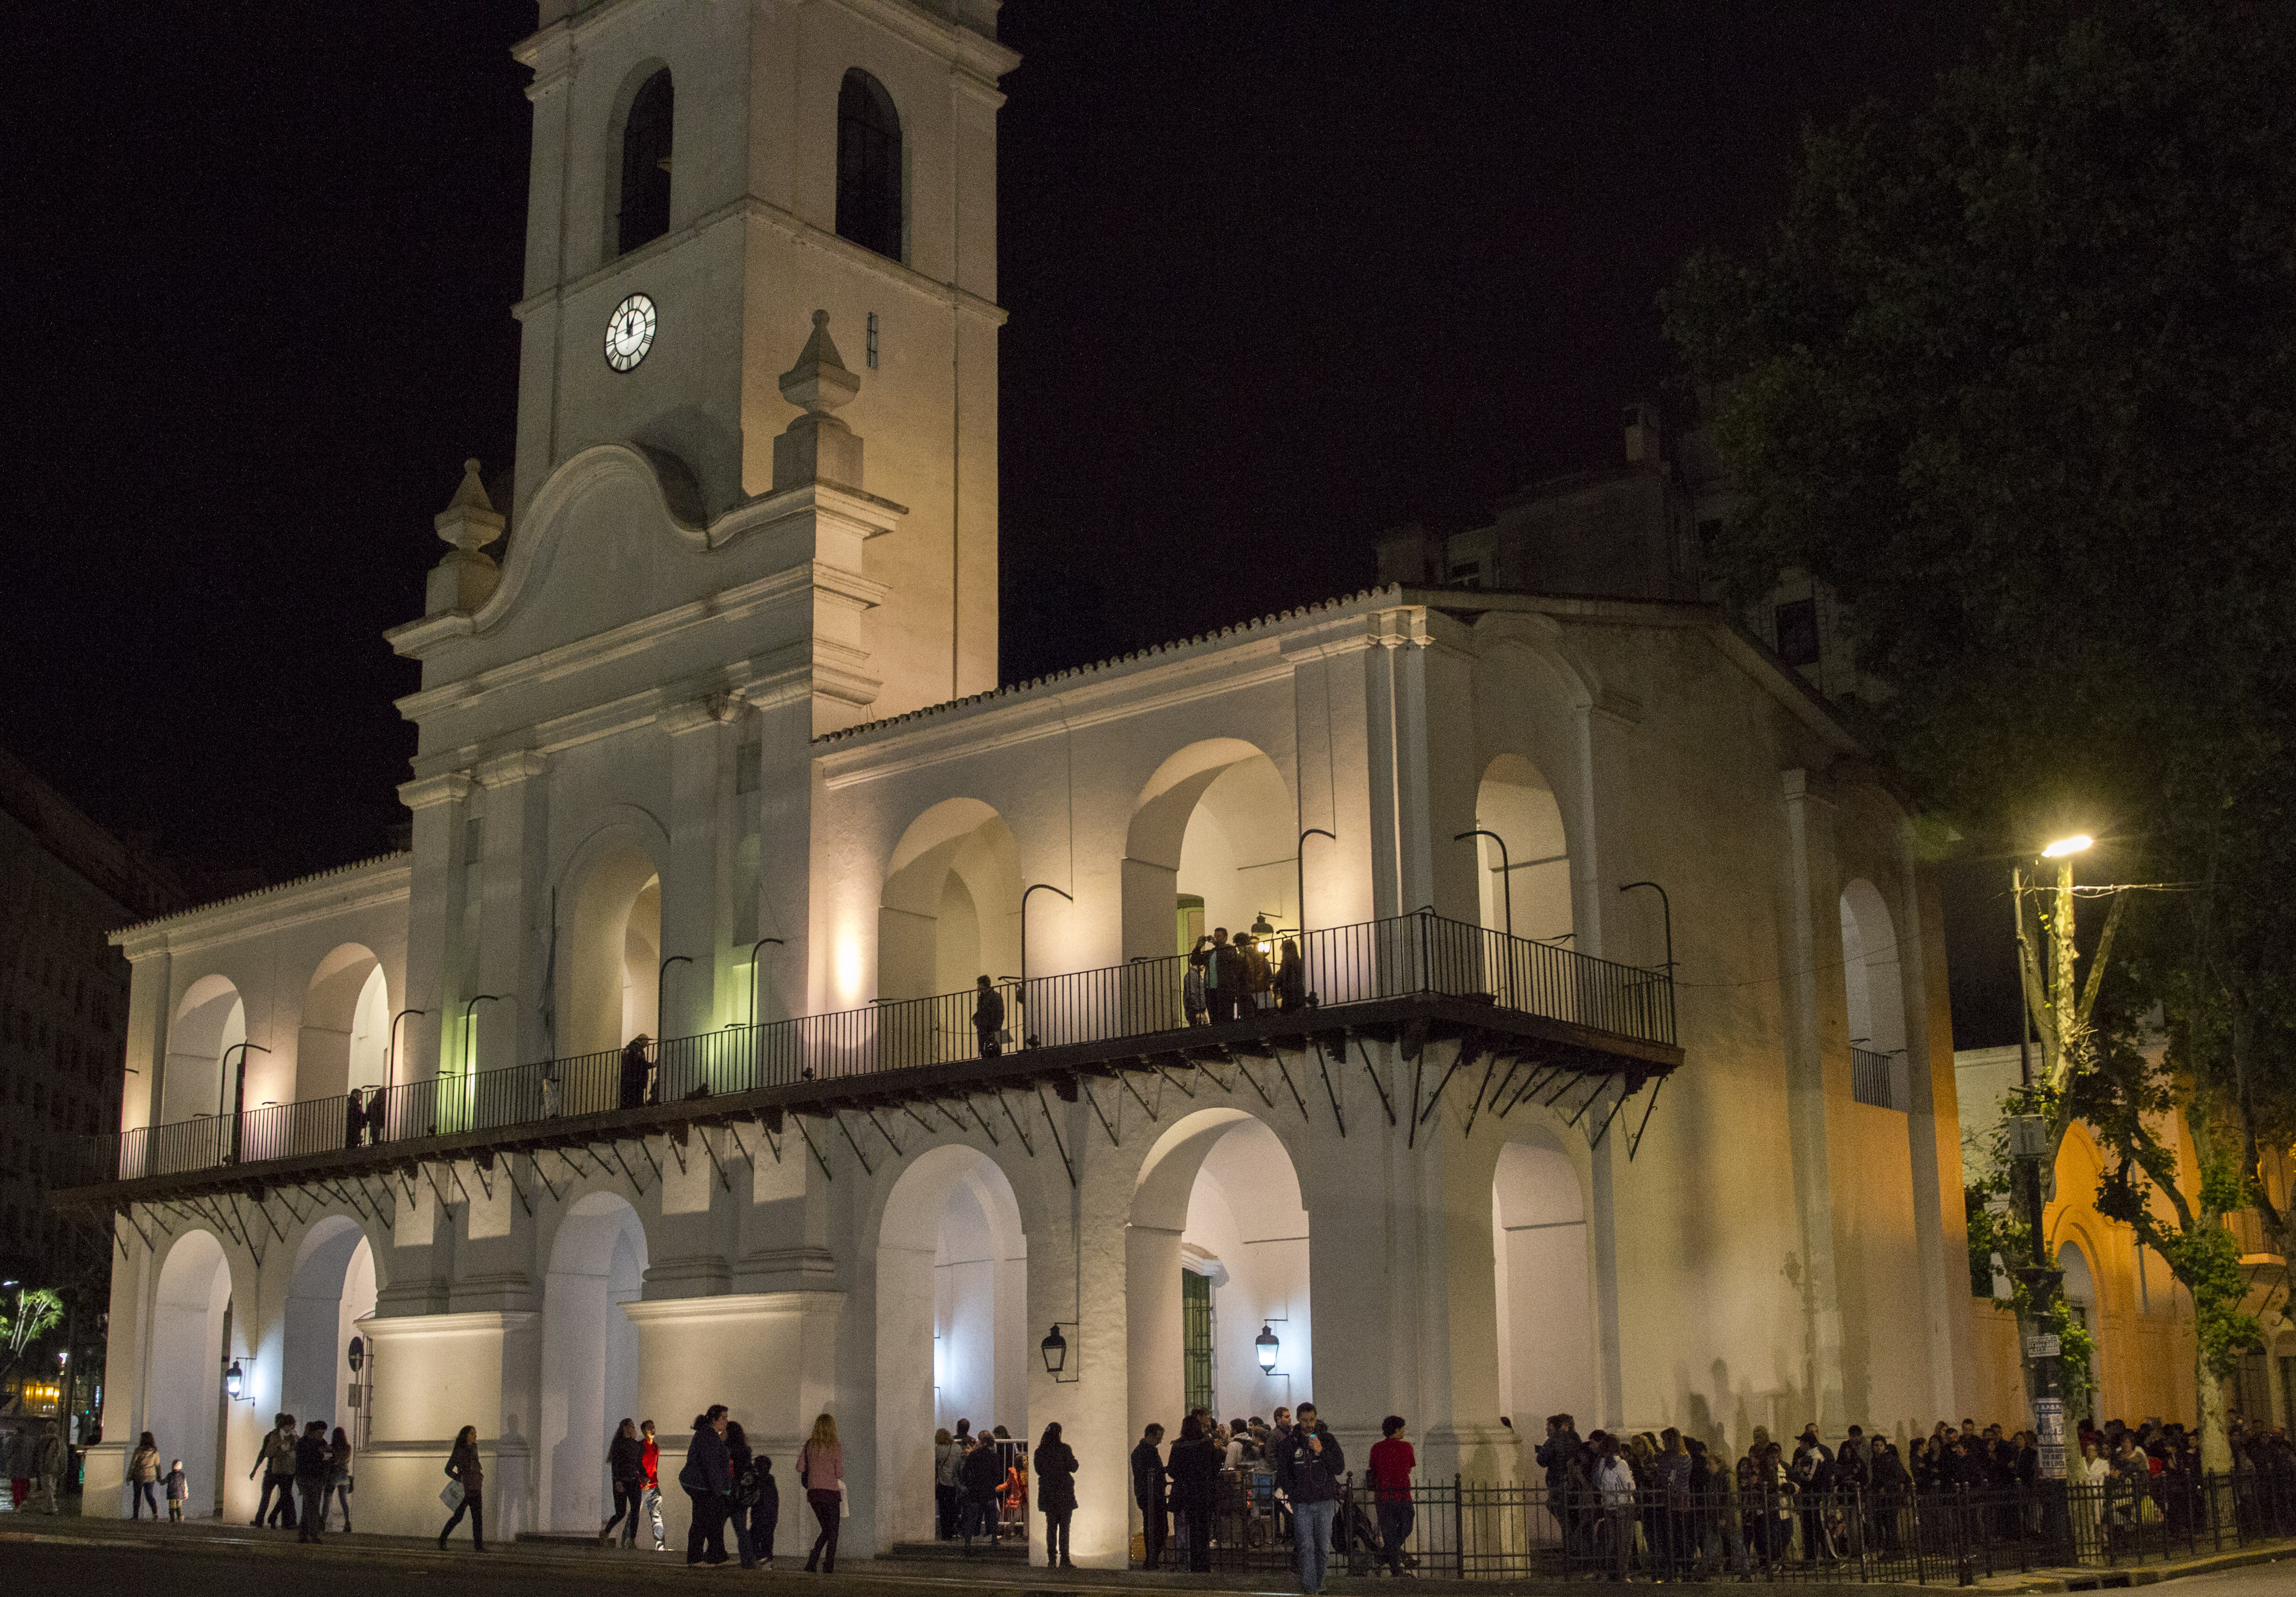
point(1280, 276)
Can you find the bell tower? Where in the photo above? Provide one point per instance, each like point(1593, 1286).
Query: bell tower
point(706, 175)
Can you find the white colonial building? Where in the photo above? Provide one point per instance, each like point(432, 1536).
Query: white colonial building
point(1626, 1085)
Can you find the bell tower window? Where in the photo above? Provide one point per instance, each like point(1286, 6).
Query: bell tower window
point(868, 165)
point(645, 213)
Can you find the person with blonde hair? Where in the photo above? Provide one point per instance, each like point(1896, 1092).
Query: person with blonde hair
point(821, 1469)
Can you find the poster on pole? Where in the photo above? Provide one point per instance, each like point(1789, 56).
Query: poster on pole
point(2049, 1428)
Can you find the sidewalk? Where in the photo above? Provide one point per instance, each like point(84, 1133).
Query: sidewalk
point(569, 1564)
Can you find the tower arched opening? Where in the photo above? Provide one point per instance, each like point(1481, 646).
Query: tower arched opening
point(952, 1322)
point(641, 194)
point(869, 200)
point(589, 1356)
point(1874, 988)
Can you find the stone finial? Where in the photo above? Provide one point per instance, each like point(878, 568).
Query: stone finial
point(469, 520)
point(817, 446)
point(465, 579)
point(819, 383)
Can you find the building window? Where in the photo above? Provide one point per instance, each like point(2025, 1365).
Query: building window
point(644, 215)
point(1797, 631)
point(868, 166)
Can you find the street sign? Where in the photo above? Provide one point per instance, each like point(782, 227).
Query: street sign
point(2028, 1137)
point(2043, 1346)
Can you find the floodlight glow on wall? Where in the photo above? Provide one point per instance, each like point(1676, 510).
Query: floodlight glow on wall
point(1268, 1345)
point(2064, 846)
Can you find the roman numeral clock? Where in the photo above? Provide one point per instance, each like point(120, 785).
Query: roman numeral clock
point(629, 333)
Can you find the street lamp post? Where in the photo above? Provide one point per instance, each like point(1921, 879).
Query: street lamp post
point(2032, 1146)
point(238, 1085)
point(1299, 864)
point(755, 973)
point(390, 1053)
point(1042, 887)
point(1507, 877)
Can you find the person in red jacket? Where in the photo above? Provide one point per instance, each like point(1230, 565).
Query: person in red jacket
point(1391, 1464)
point(650, 1461)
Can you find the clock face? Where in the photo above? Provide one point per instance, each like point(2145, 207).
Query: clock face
point(629, 333)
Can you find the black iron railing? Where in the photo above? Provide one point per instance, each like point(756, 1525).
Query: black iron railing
point(1329, 969)
point(1874, 1078)
point(1460, 1530)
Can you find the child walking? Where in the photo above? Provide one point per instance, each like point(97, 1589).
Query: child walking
point(179, 1487)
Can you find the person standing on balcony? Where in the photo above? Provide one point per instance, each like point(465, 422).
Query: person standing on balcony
point(374, 1118)
point(1259, 975)
point(353, 1117)
point(1223, 974)
point(1308, 1465)
point(1291, 980)
point(988, 1019)
point(636, 1067)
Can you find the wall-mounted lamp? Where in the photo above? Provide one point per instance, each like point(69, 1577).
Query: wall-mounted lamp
point(234, 1380)
point(1055, 1349)
point(1268, 1345)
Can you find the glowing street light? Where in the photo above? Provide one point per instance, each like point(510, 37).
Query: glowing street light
point(2062, 847)
point(1268, 1345)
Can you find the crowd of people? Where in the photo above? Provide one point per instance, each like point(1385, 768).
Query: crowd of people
point(37, 1460)
point(1229, 977)
point(1668, 1504)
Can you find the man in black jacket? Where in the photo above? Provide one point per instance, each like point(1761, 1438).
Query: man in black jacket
point(1148, 1478)
point(1308, 1470)
point(1555, 1455)
point(312, 1457)
point(983, 1476)
point(988, 1019)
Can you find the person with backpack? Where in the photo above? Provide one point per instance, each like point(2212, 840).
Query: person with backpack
point(708, 1480)
point(625, 1468)
point(744, 1465)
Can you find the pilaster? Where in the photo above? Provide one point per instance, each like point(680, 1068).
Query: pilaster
point(441, 806)
point(694, 917)
point(514, 918)
point(434, 1374)
point(1814, 1002)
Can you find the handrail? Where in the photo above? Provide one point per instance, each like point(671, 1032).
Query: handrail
point(1872, 1078)
point(1338, 966)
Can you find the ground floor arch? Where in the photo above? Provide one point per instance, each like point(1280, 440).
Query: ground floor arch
point(1544, 1290)
point(1215, 1255)
point(589, 1361)
point(332, 1290)
point(185, 1408)
point(952, 1331)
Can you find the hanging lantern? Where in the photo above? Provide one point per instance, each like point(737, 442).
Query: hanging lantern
point(234, 1379)
point(1268, 1345)
point(1055, 1349)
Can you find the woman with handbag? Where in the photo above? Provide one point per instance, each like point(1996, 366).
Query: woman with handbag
point(821, 1468)
point(465, 1491)
point(143, 1475)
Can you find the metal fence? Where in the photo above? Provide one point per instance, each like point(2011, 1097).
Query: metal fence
point(1330, 969)
point(1874, 1078)
point(1460, 1530)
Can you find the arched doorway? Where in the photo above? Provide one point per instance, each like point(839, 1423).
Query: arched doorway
point(346, 1026)
point(1215, 1250)
point(333, 1287)
point(1529, 880)
point(1875, 990)
point(589, 1357)
point(952, 1332)
point(1545, 1307)
point(185, 1407)
point(609, 991)
point(2081, 1298)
